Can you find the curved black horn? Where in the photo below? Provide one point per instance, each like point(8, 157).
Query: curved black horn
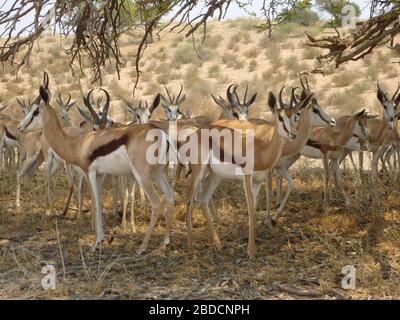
point(106, 106)
point(94, 114)
point(179, 94)
point(169, 96)
point(45, 80)
point(229, 95)
point(395, 94)
point(245, 94)
point(281, 103)
point(292, 98)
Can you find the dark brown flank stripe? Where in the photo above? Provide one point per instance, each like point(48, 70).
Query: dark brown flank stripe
point(108, 148)
point(9, 135)
point(324, 148)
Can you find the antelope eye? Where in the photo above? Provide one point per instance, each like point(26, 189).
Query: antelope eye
point(315, 110)
point(280, 118)
point(36, 112)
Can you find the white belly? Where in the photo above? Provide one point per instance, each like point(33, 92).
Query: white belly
point(353, 144)
point(10, 142)
point(116, 163)
point(311, 152)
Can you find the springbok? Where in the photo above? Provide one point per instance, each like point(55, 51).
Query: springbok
point(330, 143)
point(98, 152)
point(378, 131)
point(306, 118)
point(63, 109)
point(267, 148)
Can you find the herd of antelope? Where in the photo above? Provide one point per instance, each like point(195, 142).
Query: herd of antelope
point(101, 148)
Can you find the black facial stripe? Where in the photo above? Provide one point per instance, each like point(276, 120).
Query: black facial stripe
point(34, 114)
point(284, 126)
point(320, 115)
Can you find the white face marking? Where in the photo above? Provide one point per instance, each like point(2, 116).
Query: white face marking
point(172, 112)
point(319, 117)
point(285, 129)
point(389, 113)
point(33, 120)
point(143, 115)
point(241, 112)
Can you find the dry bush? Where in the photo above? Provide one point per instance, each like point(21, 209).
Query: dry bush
point(214, 71)
point(231, 61)
point(346, 101)
point(161, 54)
point(251, 53)
point(186, 54)
point(343, 79)
point(194, 83)
point(152, 88)
point(55, 52)
point(248, 24)
point(252, 65)
point(310, 53)
point(293, 66)
point(233, 43)
point(117, 89)
point(212, 41)
point(245, 37)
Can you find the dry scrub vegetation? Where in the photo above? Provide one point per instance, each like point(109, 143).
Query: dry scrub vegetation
point(307, 252)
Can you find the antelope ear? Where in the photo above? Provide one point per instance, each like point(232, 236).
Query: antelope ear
point(83, 114)
point(71, 105)
point(360, 114)
point(252, 99)
point(181, 99)
point(164, 100)
point(306, 101)
point(44, 95)
point(272, 102)
point(397, 101)
point(156, 102)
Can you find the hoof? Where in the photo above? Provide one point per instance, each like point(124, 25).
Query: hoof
point(97, 244)
point(271, 224)
point(140, 251)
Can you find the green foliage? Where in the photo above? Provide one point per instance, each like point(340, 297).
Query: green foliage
point(334, 9)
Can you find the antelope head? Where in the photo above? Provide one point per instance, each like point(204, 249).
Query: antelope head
point(142, 113)
point(64, 107)
point(226, 107)
point(34, 118)
point(100, 120)
point(283, 125)
point(172, 105)
point(319, 117)
point(359, 128)
point(389, 105)
point(24, 105)
point(240, 110)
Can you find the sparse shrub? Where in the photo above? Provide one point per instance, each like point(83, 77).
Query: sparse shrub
point(233, 42)
point(214, 71)
point(152, 89)
point(117, 90)
point(232, 61)
point(310, 53)
point(55, 52)
point(160, 54)
point(292, 63)
point(346, 101)
point(162, 79)
point(213, 41)
point(248, 24)
point(110, 68)
point(251, 53)
point(245, 36)
point(252, 65)
point(186, 54)
point(343, 79)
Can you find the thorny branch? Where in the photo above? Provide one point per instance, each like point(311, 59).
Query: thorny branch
point(378, 30)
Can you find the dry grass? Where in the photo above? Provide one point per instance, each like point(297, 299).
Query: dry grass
point(308, 252)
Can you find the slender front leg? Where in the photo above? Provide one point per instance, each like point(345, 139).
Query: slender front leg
point(133, 192)
point(283, 173)
point(70, 177)
point(49, 168)
point(251, 248)
point(325, 164)
point(124, 203)
point(361, 164)
point(96, 190)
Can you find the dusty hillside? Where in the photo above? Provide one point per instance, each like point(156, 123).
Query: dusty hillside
point(233, 51)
